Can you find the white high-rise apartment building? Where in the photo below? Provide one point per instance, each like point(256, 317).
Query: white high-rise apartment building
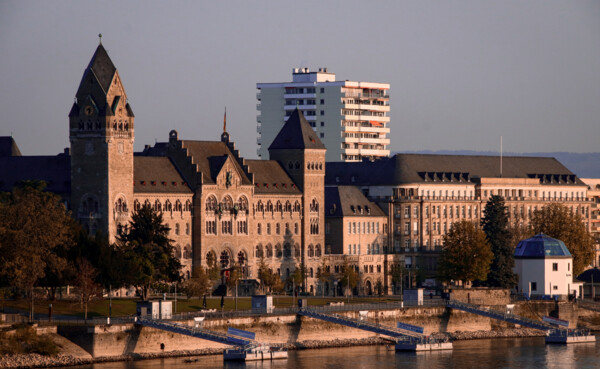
point(350, 117)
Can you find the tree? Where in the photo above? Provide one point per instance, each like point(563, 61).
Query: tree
point(199, 284)
point(234, 277)
point(86, 285)
point(466, 255)
point(557, 221)
point(348, 276)
point(264, 274)
point(34, 224)
point(379, 287)
point(324, 276)
point(496, 228)
point(149, 250)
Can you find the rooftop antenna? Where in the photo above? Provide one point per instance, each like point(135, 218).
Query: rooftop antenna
point(100, 38)
point(500, 156)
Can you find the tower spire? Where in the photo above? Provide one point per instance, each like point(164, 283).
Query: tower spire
point(225, 135)
point(99, 38)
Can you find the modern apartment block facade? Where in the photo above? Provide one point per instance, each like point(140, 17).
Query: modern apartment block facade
point(351, 118)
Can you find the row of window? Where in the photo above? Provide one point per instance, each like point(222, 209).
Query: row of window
point(363, 228)
point(354, 249)
point(370, 269)
point(286, 251)
point(268, 229)
point(226, 227)
point(226, 204)
point(167, 207)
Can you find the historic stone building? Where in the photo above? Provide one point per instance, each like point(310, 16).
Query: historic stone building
point(220, 207)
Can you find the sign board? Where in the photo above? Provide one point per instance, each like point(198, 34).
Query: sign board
point(410, 327)
point(556, 321)
point(241, 333)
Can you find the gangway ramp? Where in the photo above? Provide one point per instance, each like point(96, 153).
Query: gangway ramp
point(248, 348)
point(554, 334)
point(406, 340)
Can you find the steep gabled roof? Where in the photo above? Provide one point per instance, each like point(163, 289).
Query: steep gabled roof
point(8, 147)
point(269, 177)
point(296, 134)
point(102, 68)
point(153, 174)
point(206, 155)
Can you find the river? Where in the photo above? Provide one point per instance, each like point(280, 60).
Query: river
point(496, 353)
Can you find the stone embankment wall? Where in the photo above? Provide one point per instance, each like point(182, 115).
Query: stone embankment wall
point(290, 330)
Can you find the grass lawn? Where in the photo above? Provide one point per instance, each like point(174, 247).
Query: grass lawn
point(124, 307)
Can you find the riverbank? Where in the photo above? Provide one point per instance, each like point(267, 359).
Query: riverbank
point(39, 361)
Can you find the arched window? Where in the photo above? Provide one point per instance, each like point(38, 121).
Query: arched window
point(269, 206)
point(227, 203)
point(318, 250)
point(136, 205)
point(168, 206)
point(89, 204)
point(157, 206)
point(288, 207)
point(224, 259)
point(314, 205)
point(287, 252)
point(278, 207)
point(311, 251)
point(211, 203)
point(178, 206)
point(259, 251)
point(297, 206)
point(311, 273)
point(269, 251)
point(297, 251)
point(121, 205)
point(260, 206)
point(188, 205)
point(211, 259)
point(278, 252)
point(242, 203)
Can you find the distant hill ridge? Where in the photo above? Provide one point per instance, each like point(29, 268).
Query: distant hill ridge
point(584, 165)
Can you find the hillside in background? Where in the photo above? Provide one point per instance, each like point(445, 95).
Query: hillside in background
point(584, 165)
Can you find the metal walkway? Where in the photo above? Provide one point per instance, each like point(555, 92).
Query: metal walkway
point(206, 334)
point(500, 315)
point(397, 333)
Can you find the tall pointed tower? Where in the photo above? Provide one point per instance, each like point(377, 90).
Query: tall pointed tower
point(300, 152)
point(101, 131)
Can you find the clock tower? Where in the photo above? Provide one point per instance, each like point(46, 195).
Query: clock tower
point(101, 132)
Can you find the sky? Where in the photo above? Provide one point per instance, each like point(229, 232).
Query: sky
point(462, 73)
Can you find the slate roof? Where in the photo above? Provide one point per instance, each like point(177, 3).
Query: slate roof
point(54, 170)
point(157, 175)
point(590, 276)
point(8, 147)
point(203, 154)
point(270, 177)
point(296, 134)
point(344, 201)
point(102, 67)
point(418, 168)
point(541, 246)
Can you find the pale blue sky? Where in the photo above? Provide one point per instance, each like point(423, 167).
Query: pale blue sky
point(462, 73)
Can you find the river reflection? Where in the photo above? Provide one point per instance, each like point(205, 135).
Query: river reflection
point(497, 353)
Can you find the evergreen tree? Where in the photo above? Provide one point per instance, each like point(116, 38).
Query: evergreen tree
point(149, 250)
point(496, 228)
